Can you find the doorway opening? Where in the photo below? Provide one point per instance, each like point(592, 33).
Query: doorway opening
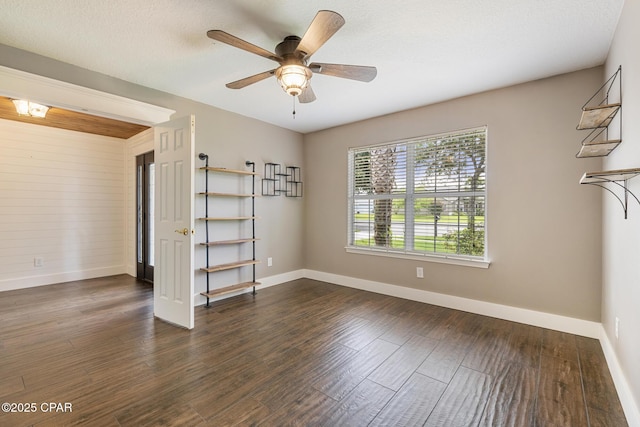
point(145, 175)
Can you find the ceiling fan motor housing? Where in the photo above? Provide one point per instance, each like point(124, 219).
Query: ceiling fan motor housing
point(288, 46)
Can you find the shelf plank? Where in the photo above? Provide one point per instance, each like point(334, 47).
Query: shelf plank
point(608, 176)
point(228, 218)
point(228, 242)
point(229, 266)
point(225, 170)
point(228, 194)
point(598, 148)
point(597, 117)
point(228, 289)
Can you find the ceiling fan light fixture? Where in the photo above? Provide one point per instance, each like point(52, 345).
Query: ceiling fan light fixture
point(293, 55)
point(293, 78)
point(25, 107)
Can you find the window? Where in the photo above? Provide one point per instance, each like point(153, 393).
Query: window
point(424, 196)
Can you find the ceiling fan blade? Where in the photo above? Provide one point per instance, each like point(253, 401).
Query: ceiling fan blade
point(353, 72)
point(307, 95)
point(324, 25)
point(239, 84)
point(234, 41)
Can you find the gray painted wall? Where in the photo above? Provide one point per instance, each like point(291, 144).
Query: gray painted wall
point(543, 227)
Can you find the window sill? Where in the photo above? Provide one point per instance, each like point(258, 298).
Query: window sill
point(467, 262)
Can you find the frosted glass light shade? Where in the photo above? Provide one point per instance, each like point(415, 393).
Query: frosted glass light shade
point(293, 78)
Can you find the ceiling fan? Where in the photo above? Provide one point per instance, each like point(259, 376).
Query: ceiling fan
point(293, 55)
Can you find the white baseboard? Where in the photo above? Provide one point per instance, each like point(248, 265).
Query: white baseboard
point(631, 410)
point(521, 315)
point(281, 278)
point(132, 270)
point(66, 276)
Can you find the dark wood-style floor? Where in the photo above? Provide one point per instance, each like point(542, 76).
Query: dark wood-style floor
point(301, 353)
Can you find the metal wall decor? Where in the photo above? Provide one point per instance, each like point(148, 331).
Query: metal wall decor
point(277, 181)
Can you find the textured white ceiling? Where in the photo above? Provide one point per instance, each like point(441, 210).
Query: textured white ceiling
point(426, 51)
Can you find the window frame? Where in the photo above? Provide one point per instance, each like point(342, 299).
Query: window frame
point(409, 196)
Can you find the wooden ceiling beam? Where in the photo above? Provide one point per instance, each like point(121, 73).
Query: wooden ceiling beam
point(72, 120)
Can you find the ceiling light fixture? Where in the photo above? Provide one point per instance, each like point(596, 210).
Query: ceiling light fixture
point(25, 107)
point(293, 78)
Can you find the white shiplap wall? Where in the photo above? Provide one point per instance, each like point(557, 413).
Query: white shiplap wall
point(62, 199)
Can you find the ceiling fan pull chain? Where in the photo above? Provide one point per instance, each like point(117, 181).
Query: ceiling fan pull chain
point(294, 107)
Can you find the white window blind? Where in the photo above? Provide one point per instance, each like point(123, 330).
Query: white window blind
point(420, 196)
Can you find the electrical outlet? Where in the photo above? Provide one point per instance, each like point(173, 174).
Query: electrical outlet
point(419, 272)
point(38, 262)
point(269, 262)
point(617, 327)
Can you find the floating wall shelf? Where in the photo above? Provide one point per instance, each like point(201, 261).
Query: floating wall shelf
point(598, 148)
point(597, 118)
point(618, 179)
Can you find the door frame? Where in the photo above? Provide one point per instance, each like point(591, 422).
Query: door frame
point(144, 270)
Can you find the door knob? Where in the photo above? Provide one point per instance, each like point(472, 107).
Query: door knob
point(184, 231)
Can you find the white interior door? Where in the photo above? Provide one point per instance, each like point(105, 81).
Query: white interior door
point(174, 224)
